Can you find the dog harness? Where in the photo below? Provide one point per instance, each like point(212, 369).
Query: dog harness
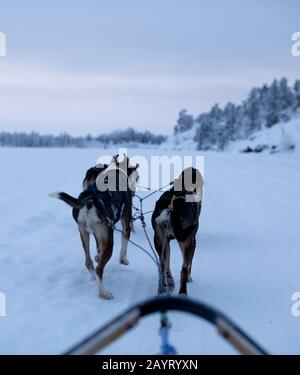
point(108, 203)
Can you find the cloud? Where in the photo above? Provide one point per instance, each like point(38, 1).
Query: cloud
point(34, 78)
point(46, 99)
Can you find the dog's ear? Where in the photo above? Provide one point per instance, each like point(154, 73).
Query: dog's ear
point(126, 159)
point(115, 159)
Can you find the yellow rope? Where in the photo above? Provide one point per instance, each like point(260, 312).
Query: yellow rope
point(172, 202)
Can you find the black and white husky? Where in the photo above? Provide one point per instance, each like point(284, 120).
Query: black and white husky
point(98, 208)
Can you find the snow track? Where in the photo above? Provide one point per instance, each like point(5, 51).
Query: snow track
point(246, 263)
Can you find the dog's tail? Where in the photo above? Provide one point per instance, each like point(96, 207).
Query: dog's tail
point(71, 201)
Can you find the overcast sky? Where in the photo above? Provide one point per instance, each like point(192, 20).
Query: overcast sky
point(94, 66)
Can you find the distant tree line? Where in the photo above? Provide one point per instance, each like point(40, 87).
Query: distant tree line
point(131, 135)
point(34, 139)
point(263, 108)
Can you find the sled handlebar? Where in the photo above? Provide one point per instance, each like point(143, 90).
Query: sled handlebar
point(127, 320)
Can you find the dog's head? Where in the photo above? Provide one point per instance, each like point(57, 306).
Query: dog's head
point(130, 170)
point(92, 174)
point(191, 181)
point(119, 175)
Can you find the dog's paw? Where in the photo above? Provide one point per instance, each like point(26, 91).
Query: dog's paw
point(164, 291)
point(105, 295)
point(169, 290)
point(170, 282)
point(183, 294)
point(124, 261)
point(189, 279)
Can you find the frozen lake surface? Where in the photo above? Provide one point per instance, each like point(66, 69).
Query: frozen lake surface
point(247, 261)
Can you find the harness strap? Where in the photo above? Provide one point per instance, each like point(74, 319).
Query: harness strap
point(173, 199)
point(110, 221)
point(171, 205)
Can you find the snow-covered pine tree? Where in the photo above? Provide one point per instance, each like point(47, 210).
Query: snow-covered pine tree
point(273, 104)
point(264, 107)
point(297, 94)
point(287, 100)
point(184, 122)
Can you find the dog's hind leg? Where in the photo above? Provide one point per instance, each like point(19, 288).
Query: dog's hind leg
point(188, 249)
point(105, 240)
point(126, 229)
point(167, 282)
point(170, 285)
point(158, 248)
point(85, 239)
point(97, 257)
point(189, 278)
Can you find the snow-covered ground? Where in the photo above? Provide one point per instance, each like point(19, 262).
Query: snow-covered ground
point(182, 141)
point(247, 262)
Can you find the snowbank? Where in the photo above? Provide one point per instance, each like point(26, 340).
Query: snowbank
point(283, 137)
point(181, 141)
